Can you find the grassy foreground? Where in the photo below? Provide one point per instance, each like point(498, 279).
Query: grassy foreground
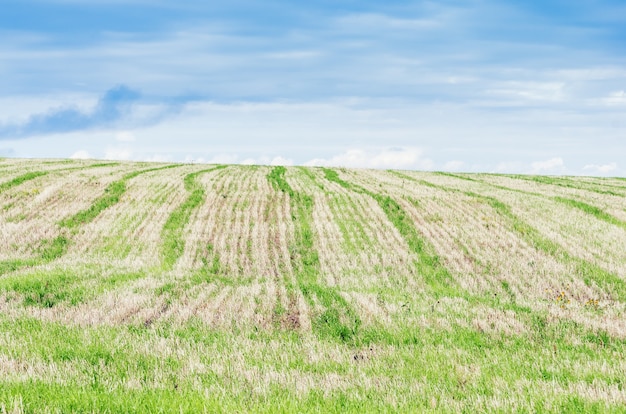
point(144, 287)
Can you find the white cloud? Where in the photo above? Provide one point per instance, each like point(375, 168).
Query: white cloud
point(395, 158)
point(7, 152)
point(509, 167)
point(601, 169)
point(553, 165)
point(232, 158)
point(295, 55)
point(453, 165)
point(223, 159)
point(616, 98)
point(369, 21)
point(125, 136)
point(258, 132)
point(534, 91)
point(281, 161)
point(156, 158)
point(80, 155)
point(118, 154)
point(194, 160)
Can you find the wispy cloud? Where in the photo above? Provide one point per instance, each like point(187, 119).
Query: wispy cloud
point(7, 152)
point(396, 158)
point(118, 153)
point(601, 169)
point(80, 155)
point(110, 109)
point(476, 82)
point(453, 166)
point(553, 165)
point(616, 98)
point(125, 136)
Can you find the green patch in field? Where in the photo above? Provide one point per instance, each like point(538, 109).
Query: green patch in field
point(8, 266)
point(8, 206)
point(49, 250)
point(461, 369)
point(102, 164)
point(592, 210)
point(307, 171)
point(213, 271)
point(109, 282)
point(211, 261)
point(16, 218)
point(45, 289)
point(21, 179)
point(351, 225)
point(567, 183)
point(110, 197)
point(30, 396)
point(53, 249)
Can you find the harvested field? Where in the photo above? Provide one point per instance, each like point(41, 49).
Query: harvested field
point(138, 287)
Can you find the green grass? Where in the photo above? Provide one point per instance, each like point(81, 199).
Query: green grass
point(589, 272)
point(45, 289)
point(111, 196)
point(437, 369)
point(53, 249)
point(48, 288)
point(108, 334)
point(21, 179)
point(580, 205)
point(49, 250)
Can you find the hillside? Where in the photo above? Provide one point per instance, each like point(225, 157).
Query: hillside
point(146, 287)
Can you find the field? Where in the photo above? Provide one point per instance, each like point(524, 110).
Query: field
point(146, 287)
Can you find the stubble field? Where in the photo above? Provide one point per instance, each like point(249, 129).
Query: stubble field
point(146, 287)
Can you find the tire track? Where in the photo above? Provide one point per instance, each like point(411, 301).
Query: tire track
point(336, 319)
point(428, 264)
point(54, 249)
point(589, 272)
point(172, 233)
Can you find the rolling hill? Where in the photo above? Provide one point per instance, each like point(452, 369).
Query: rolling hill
point(134, 287)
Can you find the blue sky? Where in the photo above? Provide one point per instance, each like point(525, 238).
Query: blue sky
point(530, 87)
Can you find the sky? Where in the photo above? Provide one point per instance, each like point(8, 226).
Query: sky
point(534, 87)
